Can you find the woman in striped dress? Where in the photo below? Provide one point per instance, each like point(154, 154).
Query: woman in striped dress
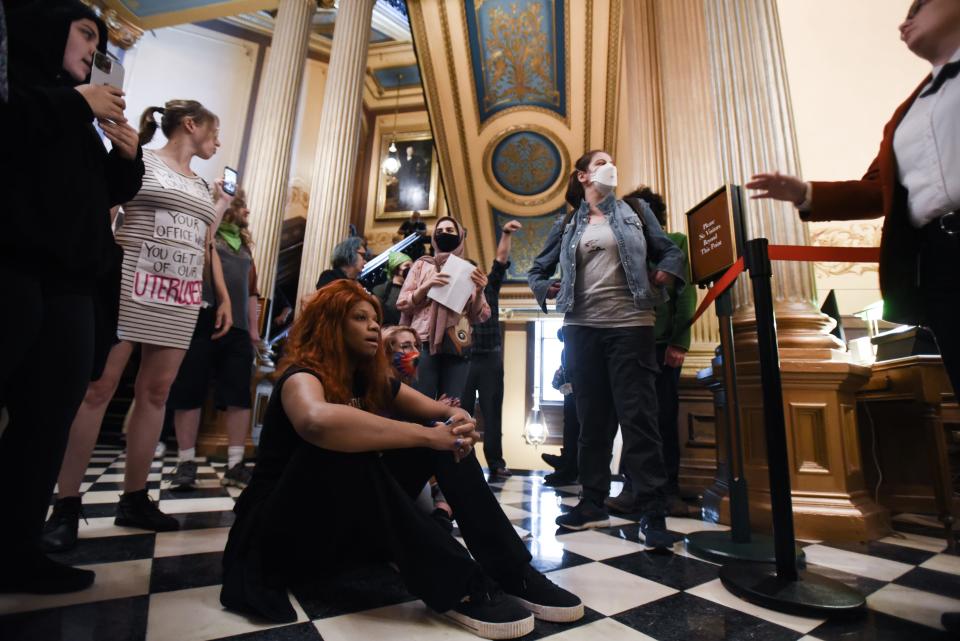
point(166, 236)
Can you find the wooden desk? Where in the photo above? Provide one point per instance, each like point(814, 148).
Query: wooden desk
point(902, 413)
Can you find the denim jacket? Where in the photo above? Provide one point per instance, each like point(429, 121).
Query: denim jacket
point(637, 250)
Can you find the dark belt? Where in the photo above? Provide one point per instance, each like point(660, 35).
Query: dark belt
point(949, 223)
point(946, 226)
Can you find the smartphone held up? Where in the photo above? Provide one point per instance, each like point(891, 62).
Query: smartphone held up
point(106, 71)
point(230, 180)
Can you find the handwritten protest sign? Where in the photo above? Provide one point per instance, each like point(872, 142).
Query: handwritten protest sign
point(168, 273)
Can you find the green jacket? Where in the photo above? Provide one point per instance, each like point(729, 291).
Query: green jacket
point(674, 315)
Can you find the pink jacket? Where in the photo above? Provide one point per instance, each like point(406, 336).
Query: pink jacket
point(418, 316)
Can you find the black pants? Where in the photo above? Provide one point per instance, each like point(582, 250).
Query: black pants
point(613, 371)
point(486, 379)
point(228, 360)
point(331, 510)
point(571, 436)
point(668, 404)
point(439, 374)
point(940, 289)
point(47, 341)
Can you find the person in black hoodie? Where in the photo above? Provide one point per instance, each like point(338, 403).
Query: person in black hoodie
point(58, 261)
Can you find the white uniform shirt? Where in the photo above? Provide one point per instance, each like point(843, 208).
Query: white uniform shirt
point(927, 148)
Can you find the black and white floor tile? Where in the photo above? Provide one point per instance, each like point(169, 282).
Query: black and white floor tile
point(165, 587)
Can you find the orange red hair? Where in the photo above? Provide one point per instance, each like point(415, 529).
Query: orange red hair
point(316, 342)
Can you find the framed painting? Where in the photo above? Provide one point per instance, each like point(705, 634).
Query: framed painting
point(414, 186)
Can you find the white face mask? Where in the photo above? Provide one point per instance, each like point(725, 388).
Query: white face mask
point(604, 178)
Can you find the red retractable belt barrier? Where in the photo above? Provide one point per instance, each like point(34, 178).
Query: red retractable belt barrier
point(804, 253)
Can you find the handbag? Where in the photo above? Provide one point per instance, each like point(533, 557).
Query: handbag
point(458, 339)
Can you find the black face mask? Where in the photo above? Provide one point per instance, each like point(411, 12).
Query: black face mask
point(447, 242)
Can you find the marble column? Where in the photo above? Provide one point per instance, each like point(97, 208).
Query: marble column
point(640, 156)
point(752, 101)
point(689, 125)
point(267, 171)
point(755, 133)
point(338, 142)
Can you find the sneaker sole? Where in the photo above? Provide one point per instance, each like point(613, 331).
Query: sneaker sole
point(231, 483)
point(586, 526)
point(182, 488)
point(552, 613)
point(487, 630)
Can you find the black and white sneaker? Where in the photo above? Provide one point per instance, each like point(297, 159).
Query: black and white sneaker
point(653, 529)
point(545, 599)
point(488, 613)
point(137, 509)
point(237, 476)
point(586, 514)
point(184, 477)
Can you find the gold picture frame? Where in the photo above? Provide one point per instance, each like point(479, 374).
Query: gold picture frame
point(414, 186)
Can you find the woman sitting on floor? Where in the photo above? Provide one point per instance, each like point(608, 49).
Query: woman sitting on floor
point(325, 430)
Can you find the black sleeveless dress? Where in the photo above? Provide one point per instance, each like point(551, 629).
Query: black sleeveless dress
point(310, 512)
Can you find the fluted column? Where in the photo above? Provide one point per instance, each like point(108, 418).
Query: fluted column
point(338, 141)
point(267, 170)
point(756, 133)
point(640, 156)
point(752, 98)
point(689, 126)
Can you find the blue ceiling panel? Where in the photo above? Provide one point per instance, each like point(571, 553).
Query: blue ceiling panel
point(518, 54)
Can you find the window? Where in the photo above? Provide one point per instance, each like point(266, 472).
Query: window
point(547, 359)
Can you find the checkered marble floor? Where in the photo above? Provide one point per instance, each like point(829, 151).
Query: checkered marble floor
point(165, 587)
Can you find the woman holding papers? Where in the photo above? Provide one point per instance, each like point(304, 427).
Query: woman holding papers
point(432, 303)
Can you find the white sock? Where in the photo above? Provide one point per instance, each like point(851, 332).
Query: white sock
point(187, 455)
point(234, 455)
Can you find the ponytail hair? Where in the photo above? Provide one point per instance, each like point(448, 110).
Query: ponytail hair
point(575, 192)
point(173, 113)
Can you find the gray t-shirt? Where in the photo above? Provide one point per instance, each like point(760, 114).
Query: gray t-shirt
point(239, 275)
point(601, 295)
point(237, 268)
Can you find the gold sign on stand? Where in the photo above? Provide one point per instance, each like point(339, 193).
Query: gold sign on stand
point(715, 233)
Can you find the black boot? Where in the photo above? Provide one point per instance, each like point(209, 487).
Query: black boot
point(560, 478)
point(553, 460)
point(33, 573)
point(137, 509)
point(60, 530)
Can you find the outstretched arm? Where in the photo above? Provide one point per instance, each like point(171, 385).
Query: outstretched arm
point(818, 201)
